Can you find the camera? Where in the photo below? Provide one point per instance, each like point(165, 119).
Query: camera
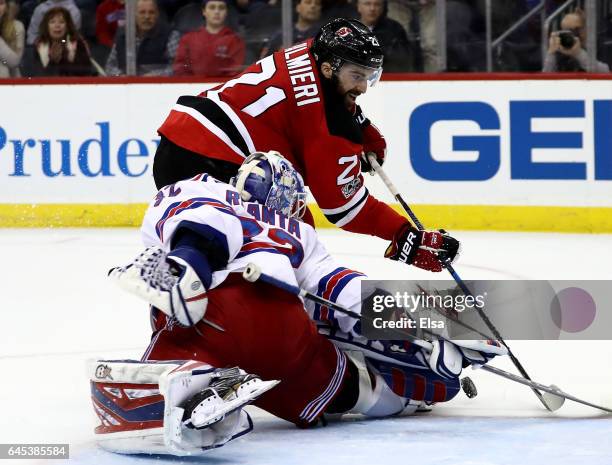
point(567, 39)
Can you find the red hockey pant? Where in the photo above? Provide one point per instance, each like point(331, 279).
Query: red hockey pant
point(266, 332)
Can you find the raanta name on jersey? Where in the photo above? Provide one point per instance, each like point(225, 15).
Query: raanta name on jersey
point(266, 215)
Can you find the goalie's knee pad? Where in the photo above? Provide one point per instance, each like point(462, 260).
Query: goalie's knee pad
point(150, 408)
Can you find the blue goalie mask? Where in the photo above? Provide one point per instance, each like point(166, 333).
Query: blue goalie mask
point(270, 179)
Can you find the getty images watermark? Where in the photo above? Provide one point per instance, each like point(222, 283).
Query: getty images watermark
point(533, 310)
point(407, 308)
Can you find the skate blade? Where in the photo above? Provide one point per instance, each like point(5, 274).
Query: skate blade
point(251, 390)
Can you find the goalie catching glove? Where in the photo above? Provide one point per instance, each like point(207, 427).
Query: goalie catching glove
point(429, 250)
point(175, 283)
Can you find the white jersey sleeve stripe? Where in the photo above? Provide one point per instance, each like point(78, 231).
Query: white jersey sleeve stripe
point(350, 215)
point(348, 205)
point(178, 207)
point(213, 128)
point(235, 119)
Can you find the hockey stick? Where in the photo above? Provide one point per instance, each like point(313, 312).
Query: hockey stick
point(253, 273)
point(553, 396)
point(555, 392)
point(374, 163)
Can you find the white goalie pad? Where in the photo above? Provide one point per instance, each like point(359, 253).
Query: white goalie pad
point(376, 400)
point(227, 420)
point(140, 407)
point(485, 346)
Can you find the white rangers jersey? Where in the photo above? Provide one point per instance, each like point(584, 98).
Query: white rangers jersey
point(282, 247)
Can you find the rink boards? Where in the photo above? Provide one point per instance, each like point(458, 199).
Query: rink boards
point(528, 154)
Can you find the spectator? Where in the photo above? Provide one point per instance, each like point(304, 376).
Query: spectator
point(12, 38)
point(110, 14)
point(419, 19)
point(39, 13)
point(391, 34)
point(307, 25)
point(153, 49)
point(59, 49)
point(212, 50)
point(565, 48)
point(428, 30)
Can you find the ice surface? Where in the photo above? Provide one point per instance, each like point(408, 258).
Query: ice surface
point(58, 310)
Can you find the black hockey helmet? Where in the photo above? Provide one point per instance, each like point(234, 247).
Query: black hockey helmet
point(347, 40)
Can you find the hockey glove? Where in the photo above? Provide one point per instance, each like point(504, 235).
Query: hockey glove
point(479, 352)
point(428, 250)
point(373, 143)
point(447, 359)
point(175, 283)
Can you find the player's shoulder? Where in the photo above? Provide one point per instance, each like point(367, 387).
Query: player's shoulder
point(298, 69)
point(201, 185)
point(203, 180)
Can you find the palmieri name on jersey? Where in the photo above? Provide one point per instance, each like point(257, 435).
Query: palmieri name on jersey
point(302, 75)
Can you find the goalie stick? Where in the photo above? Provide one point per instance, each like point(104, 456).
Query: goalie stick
point(252, 273)
point(553, 396)
point(378, 169)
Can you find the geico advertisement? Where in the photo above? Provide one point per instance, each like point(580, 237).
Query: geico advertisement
point(498, 142)
point(464, 142)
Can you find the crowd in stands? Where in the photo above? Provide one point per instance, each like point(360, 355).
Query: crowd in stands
point(12, 40)
point(218, 38)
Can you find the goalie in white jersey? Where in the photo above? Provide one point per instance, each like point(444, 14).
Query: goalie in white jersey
point(201, 235)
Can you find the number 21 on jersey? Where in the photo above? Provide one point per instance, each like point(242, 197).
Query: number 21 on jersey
point(272, 95)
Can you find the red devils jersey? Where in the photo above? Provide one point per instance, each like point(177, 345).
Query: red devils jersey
point(278, 104)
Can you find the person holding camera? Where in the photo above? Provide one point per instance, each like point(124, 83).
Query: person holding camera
point(566, 52)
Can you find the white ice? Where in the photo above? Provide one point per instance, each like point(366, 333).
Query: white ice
point(58, 310)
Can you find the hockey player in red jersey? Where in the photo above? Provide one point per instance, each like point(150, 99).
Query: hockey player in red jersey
point(300, 101)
